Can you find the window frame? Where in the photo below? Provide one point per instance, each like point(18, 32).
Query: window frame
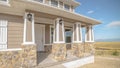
point(39, 1)
point(54, 5)
point(7, 1)
point(6, 35)
point(66, 8)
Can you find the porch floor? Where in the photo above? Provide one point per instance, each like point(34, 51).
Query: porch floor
point(45, 60)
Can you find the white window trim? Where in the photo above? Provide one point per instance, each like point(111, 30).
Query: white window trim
point(5, 42)
point(13, 49)
point(5, 3)
point(25, 29)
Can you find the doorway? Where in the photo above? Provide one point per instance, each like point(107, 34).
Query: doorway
point(40, 36)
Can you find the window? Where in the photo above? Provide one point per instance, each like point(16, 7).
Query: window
point(66, 7)
point(68, 35)
point(3, 34)
point(41, 1)
point(54, 3)
point(3, 0)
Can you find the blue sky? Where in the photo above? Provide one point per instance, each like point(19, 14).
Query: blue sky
point(108, 12)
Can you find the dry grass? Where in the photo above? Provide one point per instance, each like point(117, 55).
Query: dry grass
point(110, 45)
point(107, 55)
point(107, 49)
point(104, 62)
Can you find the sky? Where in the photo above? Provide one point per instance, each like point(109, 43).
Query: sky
point(106, 11)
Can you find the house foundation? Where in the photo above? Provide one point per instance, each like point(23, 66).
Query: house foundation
point(89, 48)
point(59, 51)
point(78, 49)
point(25, 57)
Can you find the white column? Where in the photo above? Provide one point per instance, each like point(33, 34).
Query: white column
point(59, 36)
point(77, 33)
point(25, 29)
point(89, 35)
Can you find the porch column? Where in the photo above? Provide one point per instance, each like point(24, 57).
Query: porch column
point(89, 36)
point(89, 40)
point(77, 46)
point(29, 33)
point(59, 46)
point(29, 46)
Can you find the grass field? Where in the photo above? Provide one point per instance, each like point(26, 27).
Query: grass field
point(107, 55)
point(107, 49)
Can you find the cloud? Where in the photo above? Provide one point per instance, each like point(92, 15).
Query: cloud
point(114, 24)
point(90, 12)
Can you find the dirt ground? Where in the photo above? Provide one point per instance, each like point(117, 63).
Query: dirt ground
point(104, 62)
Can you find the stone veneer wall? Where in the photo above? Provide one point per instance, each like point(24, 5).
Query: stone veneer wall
point(25, 58)
point(59, 51)
point(89, 48)
point(78, 49)
point(48, 48)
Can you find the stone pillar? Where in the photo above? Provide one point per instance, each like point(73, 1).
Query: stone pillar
point(59, 46)
point(29, 53)
point(77, 46)
point(29, 56)
point(89, 40)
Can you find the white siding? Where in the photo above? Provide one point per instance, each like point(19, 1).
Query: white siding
point(3, 34)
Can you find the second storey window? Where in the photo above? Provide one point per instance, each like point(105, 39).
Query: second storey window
point(54, 3)
point(4, 1)
point(66, 7)
point(41, 1)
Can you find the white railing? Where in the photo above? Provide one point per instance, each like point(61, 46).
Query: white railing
point(3, 34)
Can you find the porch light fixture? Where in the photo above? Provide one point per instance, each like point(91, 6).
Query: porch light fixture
point(29, 17)
point(60, 21)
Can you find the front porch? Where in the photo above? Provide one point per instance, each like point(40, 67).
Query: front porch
point(49, 33)
point(45, 60)
point(48, 40)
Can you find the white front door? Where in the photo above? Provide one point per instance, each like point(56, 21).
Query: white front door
point(40, 36)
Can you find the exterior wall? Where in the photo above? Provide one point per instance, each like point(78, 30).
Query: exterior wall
point(78, 49)
point(59, 52)
point(89, 48)
point(29, 31)
point(25, 58)
point(15, 30)
point(47, 34)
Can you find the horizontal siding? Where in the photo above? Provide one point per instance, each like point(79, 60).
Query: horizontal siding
point(15, 30)
point(15, 34)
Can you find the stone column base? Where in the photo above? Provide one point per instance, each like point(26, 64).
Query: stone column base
point(89, 48)
point(59, 51)
point(77, 49)
point(29, 56)
point(23, 58)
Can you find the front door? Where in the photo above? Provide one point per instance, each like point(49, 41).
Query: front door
point(40, 36)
